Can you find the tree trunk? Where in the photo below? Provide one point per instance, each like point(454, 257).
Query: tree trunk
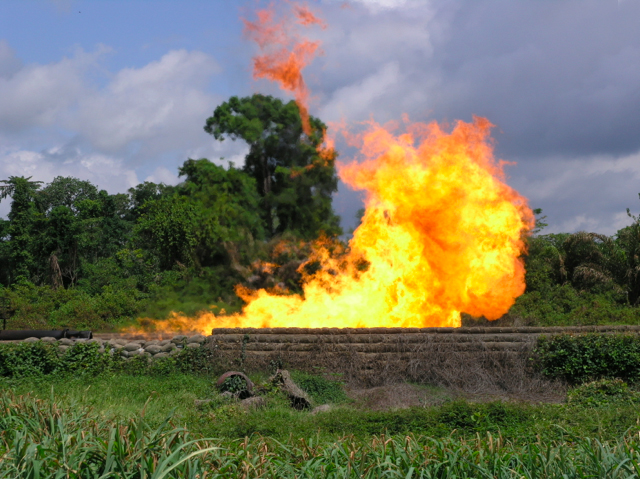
point(56, 274)
point(267, 191)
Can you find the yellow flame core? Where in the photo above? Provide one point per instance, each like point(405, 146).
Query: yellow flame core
point(442, 234)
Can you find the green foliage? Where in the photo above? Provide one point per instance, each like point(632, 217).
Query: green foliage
point(564, 305)
point(169, 226)
point(580, 358)
point(123, 395)
point(28, 359)
point(85, 359)
point(234, 384)
point(143, 192)
point(66, 191)
point(629, 241)
point(23, 218)
point(602, 392)
point(38, 359)
point(492, 416)
point(321, 389)
point(210, 289)
point(40, 307)
point(581, 278)
point(586, 261)
point(45, 440)
point(227, 201)
point(196, 360)
point(42, 438)
point(293, 180)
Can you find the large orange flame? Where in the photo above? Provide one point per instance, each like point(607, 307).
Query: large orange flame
point(283, 55)
point(442, 234)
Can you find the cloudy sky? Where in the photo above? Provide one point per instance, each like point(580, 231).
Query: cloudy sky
point(117, 91)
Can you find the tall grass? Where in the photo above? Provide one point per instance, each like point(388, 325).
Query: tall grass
point(40, 439)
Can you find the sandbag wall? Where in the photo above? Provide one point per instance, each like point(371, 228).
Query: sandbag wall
point(373, 356)
point(127, 345)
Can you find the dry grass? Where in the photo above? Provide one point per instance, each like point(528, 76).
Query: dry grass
point(473, 369)
point(398, 396)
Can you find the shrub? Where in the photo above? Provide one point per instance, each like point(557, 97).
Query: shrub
point(234, 384)
point(320, 389)
point(602, 393)
point(586, 357)
point(41, 307)
point(28, 359)
point(19, 360)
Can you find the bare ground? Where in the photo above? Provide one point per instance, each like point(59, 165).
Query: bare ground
point(406, 395)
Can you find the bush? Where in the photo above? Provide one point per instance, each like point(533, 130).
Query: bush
point(320, 389)
point(587, 357)
point(18, 360)
point(602, 393)
point(566, 306)
point(28, 359)
point(41, 307)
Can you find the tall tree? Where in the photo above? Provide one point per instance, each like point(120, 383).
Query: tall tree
point(22, 216)
point(629, 240)
point(144, 192)
point(294, 181)
point(66, 191)
point(60, 242)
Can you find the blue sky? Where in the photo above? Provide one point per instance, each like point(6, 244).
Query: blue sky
point(117, 91)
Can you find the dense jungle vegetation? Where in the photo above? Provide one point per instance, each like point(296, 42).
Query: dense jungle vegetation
point(72, 255)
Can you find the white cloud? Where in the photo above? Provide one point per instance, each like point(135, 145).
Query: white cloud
point(163, 175)
point(353, 102)
point(375, 64)
point(9, 63)
point(589, 193)
point(382, 5)
point(163, 104)
point(107, 172)
point(41, 95)
point(54, 120)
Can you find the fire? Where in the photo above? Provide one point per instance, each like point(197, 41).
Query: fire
point(442, 234)
point(283, 55)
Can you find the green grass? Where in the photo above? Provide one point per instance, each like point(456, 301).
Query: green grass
point(43, 439)
point(120, 425)
point(123, 397)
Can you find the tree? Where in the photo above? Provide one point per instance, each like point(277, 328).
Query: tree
point(294, 180)
point(144, 192)
point(168, 227)
point(60, 243)
point(212, 214)
point(628, 239)
point(5, 254)
point(22, 216)
point(227, 198)
point(66, 191)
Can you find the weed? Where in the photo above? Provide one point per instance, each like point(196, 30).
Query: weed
point(234, 384)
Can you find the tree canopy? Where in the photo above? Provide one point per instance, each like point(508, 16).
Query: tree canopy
point(295, 182)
